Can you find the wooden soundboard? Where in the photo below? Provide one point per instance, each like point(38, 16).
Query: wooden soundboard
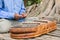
point(40, 28)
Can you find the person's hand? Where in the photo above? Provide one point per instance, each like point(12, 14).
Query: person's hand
point(17, 16)
point(24, 15)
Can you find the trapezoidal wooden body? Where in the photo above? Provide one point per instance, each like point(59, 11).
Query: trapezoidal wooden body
point(41, 27)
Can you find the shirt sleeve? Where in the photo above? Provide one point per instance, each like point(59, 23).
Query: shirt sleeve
point(8, 15)
point(4, 14)
point(23, 9)
point(0, 4)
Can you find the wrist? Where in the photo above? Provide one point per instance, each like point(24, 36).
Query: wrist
point(16, 16)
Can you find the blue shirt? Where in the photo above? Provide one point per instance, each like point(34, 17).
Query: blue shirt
point(9, 7)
